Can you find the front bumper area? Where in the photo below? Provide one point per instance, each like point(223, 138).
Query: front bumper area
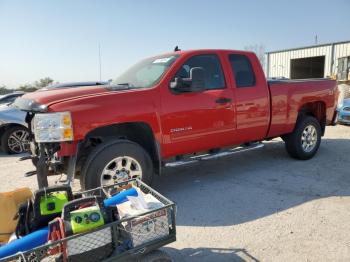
point(50, 163)
point(51, 158)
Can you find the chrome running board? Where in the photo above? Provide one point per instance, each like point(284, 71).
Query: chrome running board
point(228, 152)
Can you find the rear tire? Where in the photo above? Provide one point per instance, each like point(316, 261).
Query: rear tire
point(305, 140)
point(108, 158)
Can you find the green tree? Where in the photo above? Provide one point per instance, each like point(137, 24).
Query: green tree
point(43, 82)
point(27, 88)
point(4, 90)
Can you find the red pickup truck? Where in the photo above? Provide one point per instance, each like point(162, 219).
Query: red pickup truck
point(170, 110)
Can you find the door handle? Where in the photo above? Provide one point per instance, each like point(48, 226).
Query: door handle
point(223, 100)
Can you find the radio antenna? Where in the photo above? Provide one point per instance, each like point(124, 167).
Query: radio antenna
point(176, 49)
point(99, 61)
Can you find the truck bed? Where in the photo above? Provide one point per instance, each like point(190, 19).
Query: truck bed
point(287, 95)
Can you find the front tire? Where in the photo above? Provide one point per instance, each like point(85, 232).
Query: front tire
point(115, 161)
point(305, 140)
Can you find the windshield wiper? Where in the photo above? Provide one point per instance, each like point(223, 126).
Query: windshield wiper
point(119, 86)
point(126, 84)
point(123, 84)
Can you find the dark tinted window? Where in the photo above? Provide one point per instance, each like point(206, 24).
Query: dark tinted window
point(9, 99)
point(242, 70)
point(214, 77)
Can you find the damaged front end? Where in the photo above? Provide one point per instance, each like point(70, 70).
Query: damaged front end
point(49, 132)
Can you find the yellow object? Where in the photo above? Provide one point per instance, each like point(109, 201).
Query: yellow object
point(67, 133)
point(67, 120)
point(9, 203)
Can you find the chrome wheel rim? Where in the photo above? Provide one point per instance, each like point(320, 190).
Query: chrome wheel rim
point(309, 138)
point(120, 169)
point(18, 141)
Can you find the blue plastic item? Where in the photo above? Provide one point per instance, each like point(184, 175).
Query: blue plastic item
point(25, 243)
point(121, 197)
point(39, 237)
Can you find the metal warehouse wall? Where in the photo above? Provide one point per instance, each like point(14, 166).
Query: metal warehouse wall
point(341, 50)
point(278, 62)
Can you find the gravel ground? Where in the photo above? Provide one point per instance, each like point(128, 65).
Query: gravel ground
point(254, 206)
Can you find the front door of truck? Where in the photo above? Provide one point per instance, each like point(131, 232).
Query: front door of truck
point(252, 100)
point(195, 121)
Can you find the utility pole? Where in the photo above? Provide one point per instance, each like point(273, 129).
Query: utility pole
point(99, 61)
point(316, 40)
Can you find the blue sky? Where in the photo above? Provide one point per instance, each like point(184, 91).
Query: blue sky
point(60, 39)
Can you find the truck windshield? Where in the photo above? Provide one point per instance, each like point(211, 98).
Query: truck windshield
point(146, 73)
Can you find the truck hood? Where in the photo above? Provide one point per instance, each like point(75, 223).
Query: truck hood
point(40, 100)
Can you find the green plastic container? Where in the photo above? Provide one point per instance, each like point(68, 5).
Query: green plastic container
point(86, 219)
point(53, 203)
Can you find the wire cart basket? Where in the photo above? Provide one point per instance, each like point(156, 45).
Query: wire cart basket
point(120, 240)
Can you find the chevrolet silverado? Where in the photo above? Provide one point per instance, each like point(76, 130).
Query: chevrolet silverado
point(173, 109)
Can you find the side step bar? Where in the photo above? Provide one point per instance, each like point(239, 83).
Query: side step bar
point(208, 156)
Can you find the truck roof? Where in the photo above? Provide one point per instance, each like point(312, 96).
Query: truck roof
point(191, 51)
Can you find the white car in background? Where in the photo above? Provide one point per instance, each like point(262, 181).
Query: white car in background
point(14, 136)
point(9, 98)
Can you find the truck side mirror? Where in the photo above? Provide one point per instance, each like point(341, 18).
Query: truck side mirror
point(195, 83)
point(198, 78)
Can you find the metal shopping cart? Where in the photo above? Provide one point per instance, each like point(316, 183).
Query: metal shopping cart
point(135, 237)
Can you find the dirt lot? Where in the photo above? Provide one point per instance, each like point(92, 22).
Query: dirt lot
point(254, 206)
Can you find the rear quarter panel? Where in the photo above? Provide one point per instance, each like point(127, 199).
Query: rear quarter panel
point(289, 96)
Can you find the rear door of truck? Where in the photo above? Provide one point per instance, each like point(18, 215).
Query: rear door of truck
point(251, 96)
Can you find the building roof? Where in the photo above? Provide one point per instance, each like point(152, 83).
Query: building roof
point(305, 47)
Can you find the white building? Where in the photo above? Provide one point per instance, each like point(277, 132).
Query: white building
point(317, 61)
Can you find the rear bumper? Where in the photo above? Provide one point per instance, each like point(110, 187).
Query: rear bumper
point(334, 119)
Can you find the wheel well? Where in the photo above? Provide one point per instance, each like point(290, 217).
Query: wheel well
point(138, 132)
point(317, 110)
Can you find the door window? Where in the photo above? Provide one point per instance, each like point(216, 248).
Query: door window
point(242, 70)
point(214, 77)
